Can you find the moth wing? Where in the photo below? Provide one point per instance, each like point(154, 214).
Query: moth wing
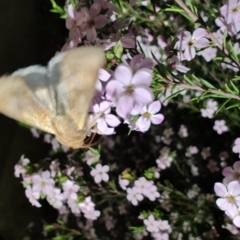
point(74, 75)
point(24, 96)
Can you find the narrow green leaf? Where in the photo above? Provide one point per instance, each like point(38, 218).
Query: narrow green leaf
point(207, 84)
point(232, 51)
point(228, 89)
point(233, 106)
point(196, 78)
point(234, 87)
point(188, 80)
point(237, 78)
point(174, 95)
point(223, 105)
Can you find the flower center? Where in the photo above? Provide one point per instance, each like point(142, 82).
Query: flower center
point(236, 175)
point(231, 199)
point(91, 22)
point(147, 115)
point(235, 9)
point(130, 89)
point(191, 42)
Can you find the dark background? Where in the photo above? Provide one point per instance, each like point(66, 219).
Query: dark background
point(29, 34)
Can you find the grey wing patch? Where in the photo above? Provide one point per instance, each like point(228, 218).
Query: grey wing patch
point(37, 80)
point(56, 85)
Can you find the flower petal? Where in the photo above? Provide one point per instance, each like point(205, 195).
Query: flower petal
point(157, 119)
point(234, 188)
point(123, 74)
point(220, 190)
point(199, 33)
point(112, 120)
point(100, 21)
point(142, 76)
point(154, 107)
point(124, 106)
point(114, 89)
point(143, 95)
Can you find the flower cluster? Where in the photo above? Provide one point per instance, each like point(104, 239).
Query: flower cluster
point(59, 189)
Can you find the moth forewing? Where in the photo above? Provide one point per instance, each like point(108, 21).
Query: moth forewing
point(55, 99)
point(20, 102)
point(74, 74)
point(80, 69)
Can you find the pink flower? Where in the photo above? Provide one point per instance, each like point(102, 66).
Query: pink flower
point(236, 147)
point(92, 21)
point(187, 42)
point(208, 54)
point(229, 196)
point(236, 217)
point(103, 76)
point(106, 119)
point(148, 116)
point(19, 168)
point(73, 21)
point(231, 173)
point(231, 11)
point(128, 88)
point(140, 61)
point(231, 28)
point(175, 64)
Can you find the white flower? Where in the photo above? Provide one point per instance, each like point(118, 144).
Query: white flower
point(87, 205)
point(164, 226)
point(92, 214)
point(236, 147)
point(70, 190)
point(19, 168)
point(100, 173)
point(151, 224)
point(91, 157)
point(153, 193)
point(43, 183)
point(143, 185)
point(183, 132)
point(56, 198)
point(134, 196)
point(220, 126)
point(123, 183)
point(33, 196)
point(191, 151)
point(74, 206)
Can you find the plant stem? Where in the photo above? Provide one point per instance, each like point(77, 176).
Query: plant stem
point(194, 87)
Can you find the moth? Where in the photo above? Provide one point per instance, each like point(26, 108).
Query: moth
point(55, 98)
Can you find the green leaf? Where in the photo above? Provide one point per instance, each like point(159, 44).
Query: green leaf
point(234, 87)
point(233, 106)
point(196, 78)
point(232, 51)
point(118, 50)
point(207, 84)
point(188, 80)
point(228, 89)
point(174, 9)
point(173, 95)
point(223, 105)
point(236, 78)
